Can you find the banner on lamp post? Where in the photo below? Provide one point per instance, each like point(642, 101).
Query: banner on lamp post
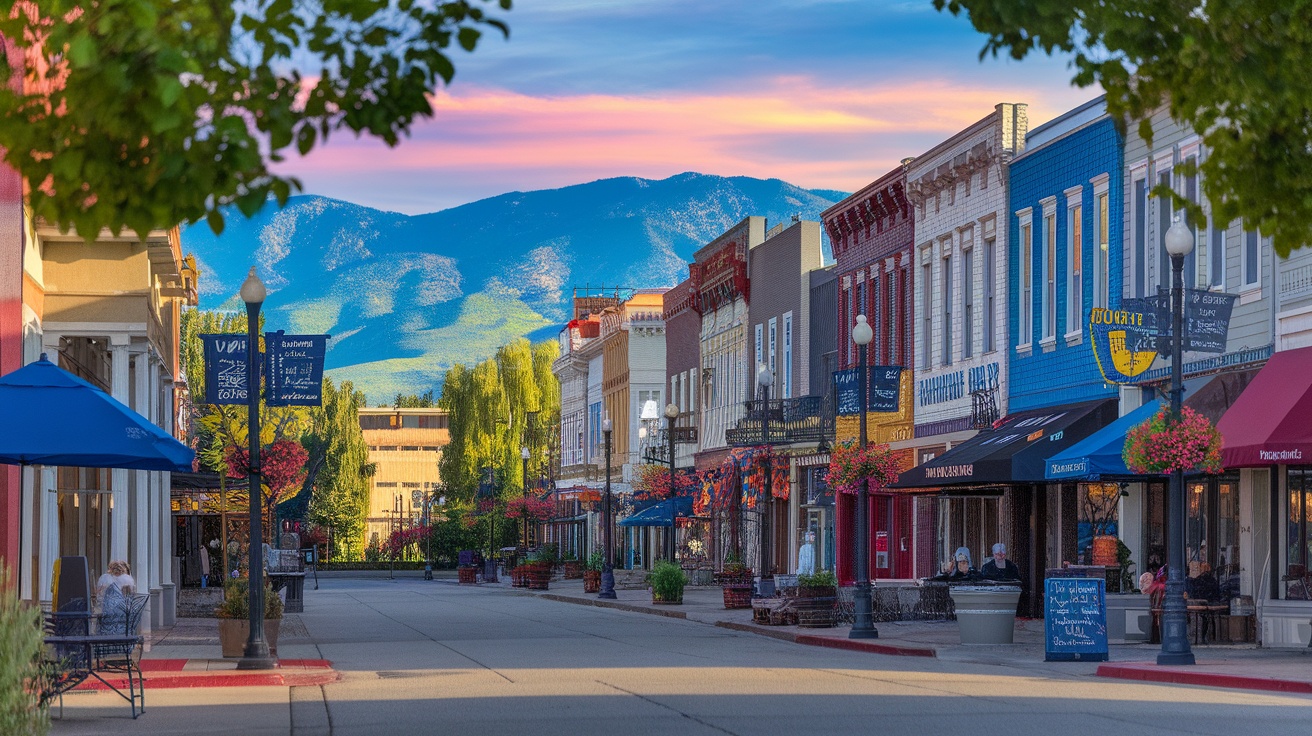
point(225, 369)
point(885, 389)
point(295, 369)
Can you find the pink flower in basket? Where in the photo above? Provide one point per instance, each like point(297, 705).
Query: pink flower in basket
point(1162, 445)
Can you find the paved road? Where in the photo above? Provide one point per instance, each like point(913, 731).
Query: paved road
point(436, 658)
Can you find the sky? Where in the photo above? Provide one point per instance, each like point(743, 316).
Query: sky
point(824, 94)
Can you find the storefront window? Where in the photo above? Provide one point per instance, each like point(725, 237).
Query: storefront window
point(1298, 536)
point(967, 522)
point(1099, 516)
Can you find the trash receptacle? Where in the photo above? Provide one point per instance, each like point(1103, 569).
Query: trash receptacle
point(986, 614)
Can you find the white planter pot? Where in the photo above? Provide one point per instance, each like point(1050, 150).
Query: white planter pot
point(986, 614)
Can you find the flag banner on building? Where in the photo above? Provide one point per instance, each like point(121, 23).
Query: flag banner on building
point(295, 369)
point(885, 385)
point(1124, 340)
point(225, 369)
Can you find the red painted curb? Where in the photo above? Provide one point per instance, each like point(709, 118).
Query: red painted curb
point(864, 646)
point(208, 680)
point(1152, 673)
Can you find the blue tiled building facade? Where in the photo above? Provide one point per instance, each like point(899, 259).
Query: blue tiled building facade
point(1066, 195)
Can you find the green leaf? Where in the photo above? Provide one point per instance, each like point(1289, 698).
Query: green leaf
point(215, 221)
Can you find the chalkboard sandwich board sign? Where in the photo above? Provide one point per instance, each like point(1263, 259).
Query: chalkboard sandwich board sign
point(1075, 619)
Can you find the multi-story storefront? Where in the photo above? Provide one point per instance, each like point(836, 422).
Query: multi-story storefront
point(873, 237)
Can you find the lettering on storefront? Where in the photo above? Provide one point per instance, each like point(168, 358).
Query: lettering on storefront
point(958, 384)
point(950, 471)
point(1078, 468)
point(1280, 455)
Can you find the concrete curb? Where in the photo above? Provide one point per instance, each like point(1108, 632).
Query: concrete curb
point(896, 650)
point(169, 674)
point(1153, 673)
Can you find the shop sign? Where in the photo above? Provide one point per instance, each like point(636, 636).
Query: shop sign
point(225, 368)
point(958, 384)
point(885, 385)
point(1075, 619)
point(1124, 341)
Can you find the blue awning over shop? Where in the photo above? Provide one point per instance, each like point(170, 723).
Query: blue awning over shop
point(1098, 456)
point(660, 513)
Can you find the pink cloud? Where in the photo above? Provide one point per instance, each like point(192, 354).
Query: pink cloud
point(485, 141)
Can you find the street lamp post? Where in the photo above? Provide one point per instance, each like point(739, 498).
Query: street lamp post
point(607, 572)
point(764, 379)
point(1175, 637)
point(671, 413)
point(256, 655)
point(863, 625)
point(523, 455)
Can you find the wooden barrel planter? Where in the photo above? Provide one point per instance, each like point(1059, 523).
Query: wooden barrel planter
point(467, 575)
point(815, 607)
point(539, 576)
point(573, 570)
point(519, 577)
point(737, 595)
point(591, 581)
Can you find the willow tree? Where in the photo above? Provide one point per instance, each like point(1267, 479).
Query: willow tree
point(339, 469)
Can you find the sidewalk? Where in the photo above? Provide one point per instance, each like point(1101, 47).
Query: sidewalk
point(1228, 666)
point(187, 655)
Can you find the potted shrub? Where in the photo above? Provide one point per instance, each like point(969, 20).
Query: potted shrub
point(468, 574)
point(817, 596)
point(537, 573)
point(592, 572)
point(234, 617)
point(667, 581)
point(573, 568)
point(736, 582)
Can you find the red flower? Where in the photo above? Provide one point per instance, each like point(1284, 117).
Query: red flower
point(1163, 445)
point(282, 466)
point(850, 464)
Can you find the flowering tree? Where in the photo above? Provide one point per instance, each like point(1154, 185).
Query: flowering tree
point(653, 483)
point(401, 539)
point(282, 467)
point(527, 506)
point(850, 464)
point(1166, 445)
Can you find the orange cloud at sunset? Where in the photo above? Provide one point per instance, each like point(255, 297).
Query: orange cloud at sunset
point(485, 141)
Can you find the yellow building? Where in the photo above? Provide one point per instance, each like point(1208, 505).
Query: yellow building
point(405, 446)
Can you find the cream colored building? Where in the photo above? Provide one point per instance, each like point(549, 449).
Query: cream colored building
point(405, 446)
point(109, 312)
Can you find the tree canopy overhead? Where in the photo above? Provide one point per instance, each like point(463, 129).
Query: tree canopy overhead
point(1233, 70)
point(142, 114)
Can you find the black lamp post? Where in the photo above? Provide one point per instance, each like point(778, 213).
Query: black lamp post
point(523, 455)
point(256, 655)
point(863, 625)
point(764, 379)
point(607, 572)
point(1179, 243)
point(671, 413)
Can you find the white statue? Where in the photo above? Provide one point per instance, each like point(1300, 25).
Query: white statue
point(806, 556)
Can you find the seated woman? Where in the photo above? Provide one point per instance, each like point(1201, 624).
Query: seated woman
point(113, 589)
point(960, 570)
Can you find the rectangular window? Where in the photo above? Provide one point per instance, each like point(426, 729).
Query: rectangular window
point(1050, 275)
point(927, 328)
point(1025, 327)
point(760, 344)
point(990, 278)
point(1141, 236)
point(1191, 260)
point(1216, 250)
point(774, 341)
point(876, 317)
point(1102, 249)
point(968, 298)
point(788, 356)
point(1252, 259)
point(895, 335)
point(1075, 277)
point(947, 309)
point(594, 429)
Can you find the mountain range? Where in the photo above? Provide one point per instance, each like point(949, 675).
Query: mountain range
point(406, 296)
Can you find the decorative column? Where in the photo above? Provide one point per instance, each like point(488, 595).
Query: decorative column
point(165, 414)
point(48, 548)
point(119, 386)
point(143, 569)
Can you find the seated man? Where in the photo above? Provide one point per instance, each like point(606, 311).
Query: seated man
point(1000, 568)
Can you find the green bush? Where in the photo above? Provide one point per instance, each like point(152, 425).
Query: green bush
point(596, 561)
point(667, 581)
point(236, 596)
point(20, 664)
point(821, 579)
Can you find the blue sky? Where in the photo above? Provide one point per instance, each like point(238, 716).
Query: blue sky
point(821, 93)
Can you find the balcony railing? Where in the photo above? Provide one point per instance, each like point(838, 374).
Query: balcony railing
point(783, 422)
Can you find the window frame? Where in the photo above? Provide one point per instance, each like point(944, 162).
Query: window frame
point(1102, 254)
point(1048, 297)
point(1025, 319)
point(1074, 262)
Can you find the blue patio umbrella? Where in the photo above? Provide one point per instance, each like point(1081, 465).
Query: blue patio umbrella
point(52, 417)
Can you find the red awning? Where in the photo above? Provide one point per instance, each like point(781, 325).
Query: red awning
point(1269, 424)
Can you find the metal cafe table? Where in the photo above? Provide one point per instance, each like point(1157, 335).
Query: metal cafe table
point(77, 657)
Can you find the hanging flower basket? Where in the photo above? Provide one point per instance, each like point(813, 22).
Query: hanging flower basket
point(1162, 445)
point(850, 464)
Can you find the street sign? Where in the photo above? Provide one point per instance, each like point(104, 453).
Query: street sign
point(885, 389)
point(225, 369)
point(295, 368)
point(1124, 340)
